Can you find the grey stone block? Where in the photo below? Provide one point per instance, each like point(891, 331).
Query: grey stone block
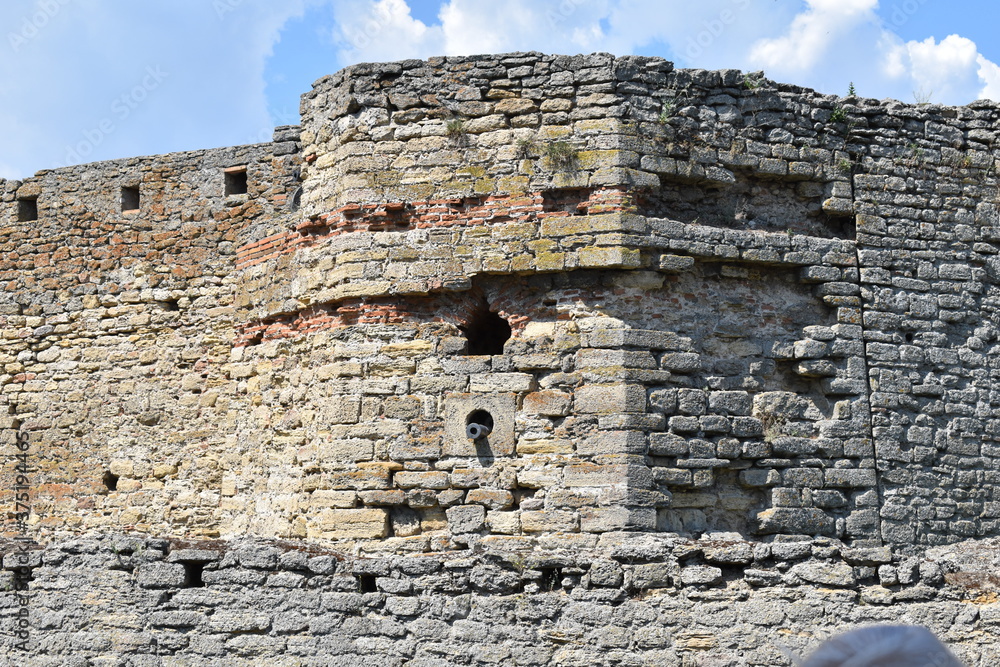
point(466, 518)
point(160, 575)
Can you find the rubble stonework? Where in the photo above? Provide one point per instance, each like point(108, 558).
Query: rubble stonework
point(738, 327)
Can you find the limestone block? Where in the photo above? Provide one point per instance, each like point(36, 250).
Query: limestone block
point(491, 498)
point(160, 575)
point(800, 521)
point(460, 408)
point(502, 382)
point(545, 521)
point(466, 518)
point(605, 399)
point(608, 519)
point(613, 442)
point(504, 523)
point(700, 575)
point(827, 574)
point(363, 524)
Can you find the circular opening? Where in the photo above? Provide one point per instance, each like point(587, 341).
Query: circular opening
point(479, 424)
point(480, 417)
point(909, 338)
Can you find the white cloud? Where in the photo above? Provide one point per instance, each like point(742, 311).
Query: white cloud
point(989, 73)
point(827, 45)
point(382, 31)
point(811, 34)
point(385, 29)
point(835, 42)
point(76, 83)
point(947, 70)
point(89, 81)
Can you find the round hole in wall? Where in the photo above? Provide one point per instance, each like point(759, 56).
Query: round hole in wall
point(478, 424)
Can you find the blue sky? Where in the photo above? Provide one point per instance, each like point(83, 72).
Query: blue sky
point(86, 80)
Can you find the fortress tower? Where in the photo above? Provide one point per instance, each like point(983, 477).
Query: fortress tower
point(654, 347)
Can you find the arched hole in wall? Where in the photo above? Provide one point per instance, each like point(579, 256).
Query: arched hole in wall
point(486, 331)
point(110, 481)
point(27, 209)
point(193, 573)
point(236, 181)
point(130, 198)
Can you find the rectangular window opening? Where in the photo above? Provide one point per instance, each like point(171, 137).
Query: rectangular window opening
point(236, 181)
point(366, 583)
point(27, 209)
point(130, 198)
point(193, 574)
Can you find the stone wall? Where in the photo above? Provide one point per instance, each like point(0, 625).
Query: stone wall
point(633, 599)
point(692, 307)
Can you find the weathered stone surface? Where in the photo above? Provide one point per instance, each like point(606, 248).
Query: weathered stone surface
point(728, 328)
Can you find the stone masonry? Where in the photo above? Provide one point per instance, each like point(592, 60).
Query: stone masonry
point(731, 341)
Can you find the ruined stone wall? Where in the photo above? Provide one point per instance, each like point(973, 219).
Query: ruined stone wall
point(697, 306)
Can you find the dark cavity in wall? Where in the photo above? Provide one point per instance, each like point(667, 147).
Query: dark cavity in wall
point(551, 578)
point(130, 198)
point(486, 331)
point(27, 209)
point(236, 181)
point(366, 583)
point(193, 573)
point(110, 481)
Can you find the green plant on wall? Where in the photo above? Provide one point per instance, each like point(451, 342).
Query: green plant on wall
point(561, 156)
point(456, 130)
point(773, 426)
point(753, 80)
point(667, 111)
point(525, 147)
point(839, 115)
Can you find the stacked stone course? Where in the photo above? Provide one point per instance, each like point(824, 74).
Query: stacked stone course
point(732, 340)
